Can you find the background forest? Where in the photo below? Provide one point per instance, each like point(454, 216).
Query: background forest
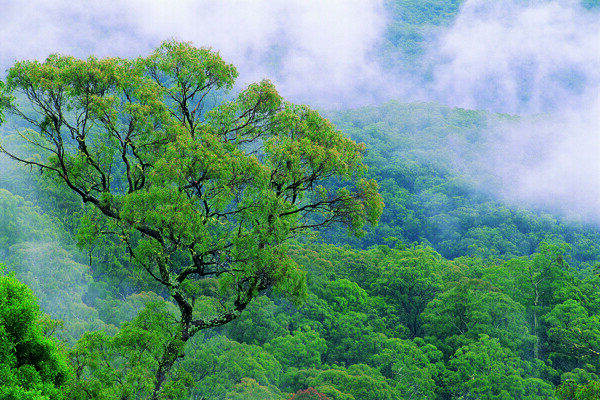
point(465, 289)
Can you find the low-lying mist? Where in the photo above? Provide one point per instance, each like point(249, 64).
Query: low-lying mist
point(549, 162)
point(537, 59)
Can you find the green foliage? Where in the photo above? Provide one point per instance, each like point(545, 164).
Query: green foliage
point(124, 366)
point(189, 194)
point(259, 324)
point(31, 246)
point(357, 382)
point(413, 366)
point(412, 22)
point(300, 349)
point(201, 196)
point(31, 364)
point(472, 307)
point(21, 221)
point(249, 389)
point(219, 364)
point(414, 152)
point(409, 280)
point(573, 335)
point(571, 390)
point(486, 370)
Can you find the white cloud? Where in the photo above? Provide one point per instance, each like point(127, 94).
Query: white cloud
point(527, 58)
point(315, 51)
point(519, 57)
point(512, 56)
point(550, 162)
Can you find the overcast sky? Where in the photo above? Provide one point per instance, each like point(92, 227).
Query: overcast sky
point(498, 54)
point(501, 55)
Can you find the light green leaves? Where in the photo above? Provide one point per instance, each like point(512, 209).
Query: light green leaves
point(195, 191)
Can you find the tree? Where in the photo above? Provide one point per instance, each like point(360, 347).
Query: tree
point(413, 365)
point(409, 281)
point(249, 389)
point(121, 366)
point(218, 364)
point(472, 307)
point(301, 349)
point(486, 370)
point(359, 381)
point(538, 282)
point(203, 195)
point(573, 336)
point(31, 366)
point(571, 390)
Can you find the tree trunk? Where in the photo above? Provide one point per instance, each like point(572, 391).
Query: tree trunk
point(536, 343)
point(173, 351)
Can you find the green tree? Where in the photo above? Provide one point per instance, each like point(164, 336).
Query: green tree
point(486, 370)
point(218, 364)
point(122, 366)
point(409, 281)
point(249, 389)
point(31, 365)
point(413, 365)
point(301, 349)
point(472, 307)
point(571, 390)
point(196, 191)
point(573, 335)
point(260, 323)
point(358, 382)
point(538, 283)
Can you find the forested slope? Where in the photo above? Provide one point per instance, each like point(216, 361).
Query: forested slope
point(430, 161)
point(453, 295)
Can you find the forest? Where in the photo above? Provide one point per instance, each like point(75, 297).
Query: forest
point(166, 234)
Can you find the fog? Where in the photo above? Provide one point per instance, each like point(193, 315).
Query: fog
point(511, 57)
point(316, 52)
point(548, 162)
point(505, 55)
point(538, 59)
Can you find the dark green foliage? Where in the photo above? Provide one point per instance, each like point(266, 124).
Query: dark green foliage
point(571, 390)
point(31, 364)
point(486, 370)
point(453, 296)
point(418, 153)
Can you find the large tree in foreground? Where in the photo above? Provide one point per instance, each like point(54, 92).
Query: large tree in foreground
point(203, 193)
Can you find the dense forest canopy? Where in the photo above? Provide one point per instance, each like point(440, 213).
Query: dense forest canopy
point(198, 197)
point(167, 233)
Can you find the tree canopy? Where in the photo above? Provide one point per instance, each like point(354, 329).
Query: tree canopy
point(31, 366)
point(203, 191)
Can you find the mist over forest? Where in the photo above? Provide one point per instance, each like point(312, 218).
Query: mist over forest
point(426, 227)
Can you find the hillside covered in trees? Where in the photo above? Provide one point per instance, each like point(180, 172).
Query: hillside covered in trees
point(167, 235)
